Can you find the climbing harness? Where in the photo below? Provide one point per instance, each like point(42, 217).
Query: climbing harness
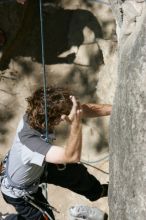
point(45, 214)
point(40, 206)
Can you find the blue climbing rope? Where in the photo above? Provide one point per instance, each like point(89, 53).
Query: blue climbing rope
point(44, 69)
point(44, 186)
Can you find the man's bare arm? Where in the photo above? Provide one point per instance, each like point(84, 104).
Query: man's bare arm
point(72, 151)
point(92, 110)
point(74, 143)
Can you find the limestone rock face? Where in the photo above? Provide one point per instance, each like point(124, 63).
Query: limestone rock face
point(127, 192)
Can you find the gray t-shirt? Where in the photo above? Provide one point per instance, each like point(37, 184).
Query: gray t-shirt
point(26, 160)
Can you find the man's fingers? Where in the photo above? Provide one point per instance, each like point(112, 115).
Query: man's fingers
point(79, 114)
point(74, 101)
point(74, 108)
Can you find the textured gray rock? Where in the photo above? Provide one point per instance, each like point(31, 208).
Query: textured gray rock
point(127, 191)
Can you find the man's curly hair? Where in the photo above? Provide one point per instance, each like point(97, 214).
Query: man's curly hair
point(58, 103)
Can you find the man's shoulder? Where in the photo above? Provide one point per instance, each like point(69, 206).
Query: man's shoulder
point(24, 129)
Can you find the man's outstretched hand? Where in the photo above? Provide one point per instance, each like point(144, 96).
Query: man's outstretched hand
point(91, 110)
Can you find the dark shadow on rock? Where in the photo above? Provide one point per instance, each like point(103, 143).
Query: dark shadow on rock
point(62, 30)
point(103, 141)
point(82, 81)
